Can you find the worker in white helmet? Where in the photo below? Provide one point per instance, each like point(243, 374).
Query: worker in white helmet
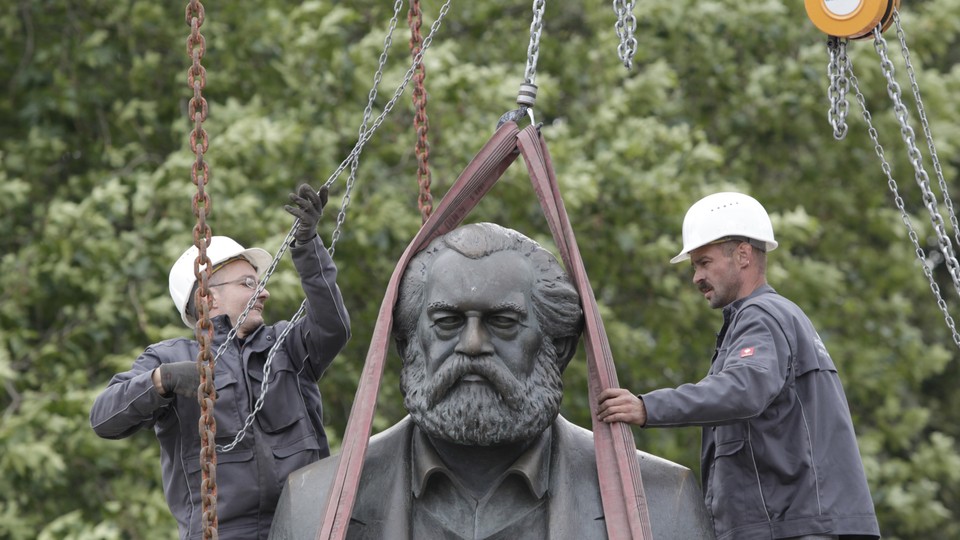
point(779, 455)
point(160, 390)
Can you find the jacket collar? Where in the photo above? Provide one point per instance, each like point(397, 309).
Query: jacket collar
point(732, 308)
point(222, 327)
point(533, 465)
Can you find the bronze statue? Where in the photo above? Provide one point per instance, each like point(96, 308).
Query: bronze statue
point(485, 323)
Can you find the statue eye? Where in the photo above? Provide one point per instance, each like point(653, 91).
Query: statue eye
point(448, 322)
point(504, 320)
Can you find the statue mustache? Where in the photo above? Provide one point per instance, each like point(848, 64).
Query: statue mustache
point(458, 366)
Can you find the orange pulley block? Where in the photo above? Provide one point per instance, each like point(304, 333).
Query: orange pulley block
point(853, 19)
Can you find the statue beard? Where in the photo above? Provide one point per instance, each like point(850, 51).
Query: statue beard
point(503, 409)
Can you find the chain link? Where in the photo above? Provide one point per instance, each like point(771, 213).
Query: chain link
point(839, 86)
point(527, 95)
point(928, 135)
point(264, 384)
point(421, 123)
point(352, 160)
point(916, 160)
point(202, 207)
point(926, 265)
point(533, 49)
point(366, 134)
point(626, 26)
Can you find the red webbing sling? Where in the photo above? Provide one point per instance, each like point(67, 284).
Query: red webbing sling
point(621, 488)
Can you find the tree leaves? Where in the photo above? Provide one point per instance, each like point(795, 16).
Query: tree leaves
point(95, 203)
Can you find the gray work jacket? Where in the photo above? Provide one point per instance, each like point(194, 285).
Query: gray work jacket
point(779, 455)
point(288, 431)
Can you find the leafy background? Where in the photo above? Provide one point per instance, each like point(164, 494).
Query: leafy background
point(95, 198)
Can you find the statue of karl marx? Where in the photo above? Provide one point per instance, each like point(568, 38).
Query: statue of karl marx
point(485, 323)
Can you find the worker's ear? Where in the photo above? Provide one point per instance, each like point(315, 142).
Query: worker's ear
point(744, 252)
point(566, 347)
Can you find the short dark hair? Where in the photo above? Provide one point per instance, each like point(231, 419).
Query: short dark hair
point(759, 249)
point(556, 302)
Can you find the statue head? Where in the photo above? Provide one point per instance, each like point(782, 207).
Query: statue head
point(485, 322)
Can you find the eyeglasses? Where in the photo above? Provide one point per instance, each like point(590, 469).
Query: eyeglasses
point(247, 281)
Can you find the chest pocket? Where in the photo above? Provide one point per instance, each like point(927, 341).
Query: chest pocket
point(226, 410)
point(283, 406)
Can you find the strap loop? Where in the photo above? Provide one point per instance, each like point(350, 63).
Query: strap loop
point(621, 488)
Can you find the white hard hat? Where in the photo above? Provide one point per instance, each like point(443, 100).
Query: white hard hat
point(221, 249)
point(725, 214)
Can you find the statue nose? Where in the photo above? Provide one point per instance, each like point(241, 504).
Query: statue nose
point(474, 339)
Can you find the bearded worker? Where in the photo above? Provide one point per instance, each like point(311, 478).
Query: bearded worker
point(779, 456)
point(485, 323)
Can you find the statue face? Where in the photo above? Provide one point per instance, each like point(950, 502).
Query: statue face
point(479, 370)
point(480, 309)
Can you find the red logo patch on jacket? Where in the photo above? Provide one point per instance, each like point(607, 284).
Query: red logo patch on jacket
point(748, 351)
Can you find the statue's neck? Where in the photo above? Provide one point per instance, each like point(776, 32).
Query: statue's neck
point(478, 467)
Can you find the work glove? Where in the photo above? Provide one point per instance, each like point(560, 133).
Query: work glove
point(180, 378)
point(308, 209)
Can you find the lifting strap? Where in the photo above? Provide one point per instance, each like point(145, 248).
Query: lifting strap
point(621, 488)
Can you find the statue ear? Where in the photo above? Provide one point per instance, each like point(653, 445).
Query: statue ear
point(566, 348)
point(401, 347)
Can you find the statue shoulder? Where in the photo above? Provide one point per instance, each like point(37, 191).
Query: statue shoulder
point(580, 441)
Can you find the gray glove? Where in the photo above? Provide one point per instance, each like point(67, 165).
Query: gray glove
point(308, 209)
point(180, 378)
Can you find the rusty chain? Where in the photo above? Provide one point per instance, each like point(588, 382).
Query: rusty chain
point(367, 132)
point(351, 161)
point(421, 123)
point(202, 207)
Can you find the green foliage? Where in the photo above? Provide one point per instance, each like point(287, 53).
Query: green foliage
point(95, 202)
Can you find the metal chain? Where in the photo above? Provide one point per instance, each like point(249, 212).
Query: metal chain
point(352, 160)
point(626, 26)
point(927, 266)
point(947, 201)
point(367, 134)
point(533, 49)
point(838, 88)
point(527, 95)
point(421, 123)
point(264, 384)
point(200, 174)
point(916, 159)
